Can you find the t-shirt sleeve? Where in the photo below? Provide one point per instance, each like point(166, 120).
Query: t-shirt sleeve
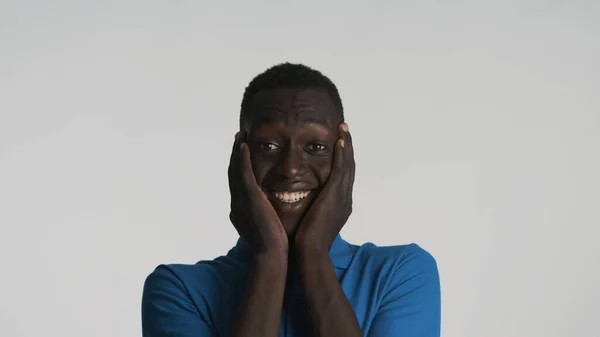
point(411, 306)
point(167, 310)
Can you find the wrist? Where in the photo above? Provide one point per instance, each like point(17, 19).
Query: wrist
point(310, 250)
point(313, 244)
point(311, 257)
point(272, 258)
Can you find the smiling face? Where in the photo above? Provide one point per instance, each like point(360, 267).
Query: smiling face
point(292, 133)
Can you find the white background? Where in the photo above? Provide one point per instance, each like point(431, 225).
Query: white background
point(476, 127)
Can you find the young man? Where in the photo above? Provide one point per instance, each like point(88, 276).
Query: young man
point(291, 274)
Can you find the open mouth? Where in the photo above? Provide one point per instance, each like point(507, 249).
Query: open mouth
point(291, 197)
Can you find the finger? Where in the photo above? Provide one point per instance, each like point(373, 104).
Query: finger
point(248, 177)
point(337, 168)
point(233, 169)
point(348, 142)
point(235, 150)
point(349, 163)
point(347, 137)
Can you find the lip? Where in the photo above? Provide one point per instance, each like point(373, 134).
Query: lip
point(292, 188)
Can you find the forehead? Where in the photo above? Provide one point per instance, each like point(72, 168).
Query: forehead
point(294, 106)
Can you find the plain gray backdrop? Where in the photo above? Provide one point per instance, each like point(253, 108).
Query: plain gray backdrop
point(476, 128)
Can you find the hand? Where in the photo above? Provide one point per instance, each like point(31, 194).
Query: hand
point(333, 206)
point(252, 214)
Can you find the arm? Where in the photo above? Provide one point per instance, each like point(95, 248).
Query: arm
point(260, 311)
point(329, 310)
point(168, 311)
point(253, 216)
point(411, 306)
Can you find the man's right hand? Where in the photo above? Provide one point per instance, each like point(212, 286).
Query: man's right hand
point(252, 214)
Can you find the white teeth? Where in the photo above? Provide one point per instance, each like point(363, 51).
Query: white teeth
point(291, 197)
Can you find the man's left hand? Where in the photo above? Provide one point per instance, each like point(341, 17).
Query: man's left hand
point(333, 206)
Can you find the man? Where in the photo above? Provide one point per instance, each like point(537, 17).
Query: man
point(291, 274)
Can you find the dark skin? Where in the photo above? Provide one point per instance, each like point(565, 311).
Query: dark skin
point(296, 141)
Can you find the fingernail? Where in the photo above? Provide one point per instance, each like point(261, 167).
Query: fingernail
point(341, 142)
point(345, 127)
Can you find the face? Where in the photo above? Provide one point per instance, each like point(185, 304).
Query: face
point(291, 134)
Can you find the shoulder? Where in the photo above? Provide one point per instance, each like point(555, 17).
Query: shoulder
point(404, 274)
point(191, 281)
point(399, 262)
point(403, 289)
point(179, 275)
point(179, 298)
point(399, 256)
point(184, 272)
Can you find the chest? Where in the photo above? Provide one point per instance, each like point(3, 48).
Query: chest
point(362, 292)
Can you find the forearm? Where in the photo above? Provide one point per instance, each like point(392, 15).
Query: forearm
point(259, 313)
point(330, 311)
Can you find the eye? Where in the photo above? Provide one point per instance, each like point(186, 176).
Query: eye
point(269, 147)
point(316, 148)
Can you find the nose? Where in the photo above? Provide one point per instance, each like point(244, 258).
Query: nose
point(291, 163)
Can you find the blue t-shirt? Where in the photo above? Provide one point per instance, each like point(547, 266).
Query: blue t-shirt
point(395, 292)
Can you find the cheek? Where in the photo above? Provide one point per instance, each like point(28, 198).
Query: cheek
point(260, 167)
point(322, 169)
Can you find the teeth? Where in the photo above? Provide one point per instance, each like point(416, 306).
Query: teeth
point(291, 197)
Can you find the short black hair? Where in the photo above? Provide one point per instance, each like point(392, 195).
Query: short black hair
point(288, 75)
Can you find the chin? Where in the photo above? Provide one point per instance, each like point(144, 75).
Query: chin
point(291, 210)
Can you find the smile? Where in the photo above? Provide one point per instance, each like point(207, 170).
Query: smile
point(291, 197)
